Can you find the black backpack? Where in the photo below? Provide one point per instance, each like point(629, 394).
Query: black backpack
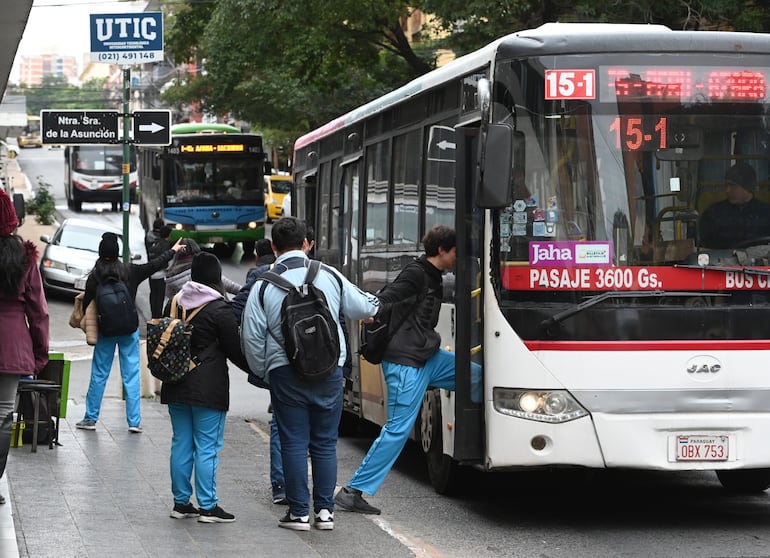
point(115, 309)
point(309, 329)
point(375, 336)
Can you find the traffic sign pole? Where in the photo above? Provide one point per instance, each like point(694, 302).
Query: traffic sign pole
point(126, 162)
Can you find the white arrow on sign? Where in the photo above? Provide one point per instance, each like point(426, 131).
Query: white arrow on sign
point(444, 144)
point(152, 127)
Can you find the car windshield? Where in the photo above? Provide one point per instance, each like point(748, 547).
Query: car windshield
point(83, 238)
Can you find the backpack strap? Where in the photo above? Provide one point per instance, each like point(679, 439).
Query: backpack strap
point(175, 310)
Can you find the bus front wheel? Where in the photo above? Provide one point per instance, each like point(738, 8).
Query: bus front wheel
point(443, 471)
point(745, 481)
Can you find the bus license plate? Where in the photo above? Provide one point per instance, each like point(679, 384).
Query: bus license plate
point(701, 448)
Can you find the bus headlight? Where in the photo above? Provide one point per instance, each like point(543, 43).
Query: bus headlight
point(553, 406)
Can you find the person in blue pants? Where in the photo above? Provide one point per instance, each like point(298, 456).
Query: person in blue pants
point(109, 266)
point(412, 362)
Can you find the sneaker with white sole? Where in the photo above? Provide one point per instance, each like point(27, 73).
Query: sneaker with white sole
point(183, 511)
point(295, 522)
point(135, 429)
point(215, 515)
point(324, 520)
point(86, 424)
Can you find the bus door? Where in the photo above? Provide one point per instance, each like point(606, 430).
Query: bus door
point(469, 415)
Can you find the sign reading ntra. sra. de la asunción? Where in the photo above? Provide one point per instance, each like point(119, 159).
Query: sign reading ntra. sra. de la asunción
point(127, 39)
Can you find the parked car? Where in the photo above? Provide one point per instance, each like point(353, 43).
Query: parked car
point(277, 186)
point(7, 150)
point(70, 254)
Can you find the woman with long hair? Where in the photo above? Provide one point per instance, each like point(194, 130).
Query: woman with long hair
point(24, 315)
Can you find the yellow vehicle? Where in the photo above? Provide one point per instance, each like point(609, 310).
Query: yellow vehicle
point(31, 137)
point(276, 188)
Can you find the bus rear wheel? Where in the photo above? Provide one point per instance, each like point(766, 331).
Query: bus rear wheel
point(443, 471)
point(745, 481)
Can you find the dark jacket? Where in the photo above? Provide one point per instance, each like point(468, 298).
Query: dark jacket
point(135, 273)
point(24, 343)
point(727, 225)
point(155, 245)
point(214, 340)
point(418, 291)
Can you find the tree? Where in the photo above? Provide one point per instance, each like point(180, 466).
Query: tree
point(292, 66)
point(55, 93)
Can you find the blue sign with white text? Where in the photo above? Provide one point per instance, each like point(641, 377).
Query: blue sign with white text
point(127, 39)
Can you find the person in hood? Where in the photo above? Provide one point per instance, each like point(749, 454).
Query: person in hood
point(178, 272)
point(198, 404)
point(24, 315)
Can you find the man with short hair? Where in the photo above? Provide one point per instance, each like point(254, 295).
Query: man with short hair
point(741, 217)
point(308, 413)
point(413, 361)
point(156, 242)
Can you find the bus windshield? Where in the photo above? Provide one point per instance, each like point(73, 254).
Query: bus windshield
point(616, 162)
point(209, 180)
point(100, 160)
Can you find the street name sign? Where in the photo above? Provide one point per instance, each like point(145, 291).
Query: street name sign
point(152, 127)
point(79, 126)
point(127, 39)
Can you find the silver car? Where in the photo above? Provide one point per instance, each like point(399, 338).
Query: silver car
point(71, 253)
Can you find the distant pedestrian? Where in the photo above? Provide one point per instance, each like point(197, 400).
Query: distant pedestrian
point(198, 404)
point(307, 413)
point(109, 268)
point(413, 361)
point(24, 315)
point(156, 242)
point(178, 272)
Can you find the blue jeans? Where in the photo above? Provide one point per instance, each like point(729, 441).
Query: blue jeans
point(101, 365)
point(308, 417)
point(406, 388)
point(276, 463)
point(197, 439)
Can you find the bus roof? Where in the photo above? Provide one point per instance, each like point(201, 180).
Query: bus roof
point(555, 38)
point(201, 128)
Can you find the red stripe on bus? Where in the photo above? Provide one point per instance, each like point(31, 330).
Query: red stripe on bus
point(669, 345)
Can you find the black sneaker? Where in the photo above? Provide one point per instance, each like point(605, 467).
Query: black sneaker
point(215, 515)
point(294, 522)
point(324, 520)
point(183, 511)
point(279, 495)
point(350, 499)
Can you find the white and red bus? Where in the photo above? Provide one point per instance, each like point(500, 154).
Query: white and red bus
point(575, 161)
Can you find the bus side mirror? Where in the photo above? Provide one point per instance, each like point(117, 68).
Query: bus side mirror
point(494, 166)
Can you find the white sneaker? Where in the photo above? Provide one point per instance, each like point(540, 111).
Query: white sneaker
point(324, 520)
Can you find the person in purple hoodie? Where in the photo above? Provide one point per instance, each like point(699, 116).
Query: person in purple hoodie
point(198, 404)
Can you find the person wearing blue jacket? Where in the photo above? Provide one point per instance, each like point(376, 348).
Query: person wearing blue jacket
point(308, 413)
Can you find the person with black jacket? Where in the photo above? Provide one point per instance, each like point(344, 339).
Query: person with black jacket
point(198, 404)
point(413, 361)
point(156, 242)
point(109, 267)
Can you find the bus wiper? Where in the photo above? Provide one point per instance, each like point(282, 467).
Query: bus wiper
point(739, 268)
point(594, 300)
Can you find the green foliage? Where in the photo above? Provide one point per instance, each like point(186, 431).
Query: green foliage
point(293, 66)
point(42, 204)
point(56, 94)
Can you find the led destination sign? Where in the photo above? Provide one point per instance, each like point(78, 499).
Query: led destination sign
point(211, 148)
point(679, 84)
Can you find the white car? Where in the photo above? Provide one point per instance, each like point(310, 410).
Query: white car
point(71, 253)
point(8, 150)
